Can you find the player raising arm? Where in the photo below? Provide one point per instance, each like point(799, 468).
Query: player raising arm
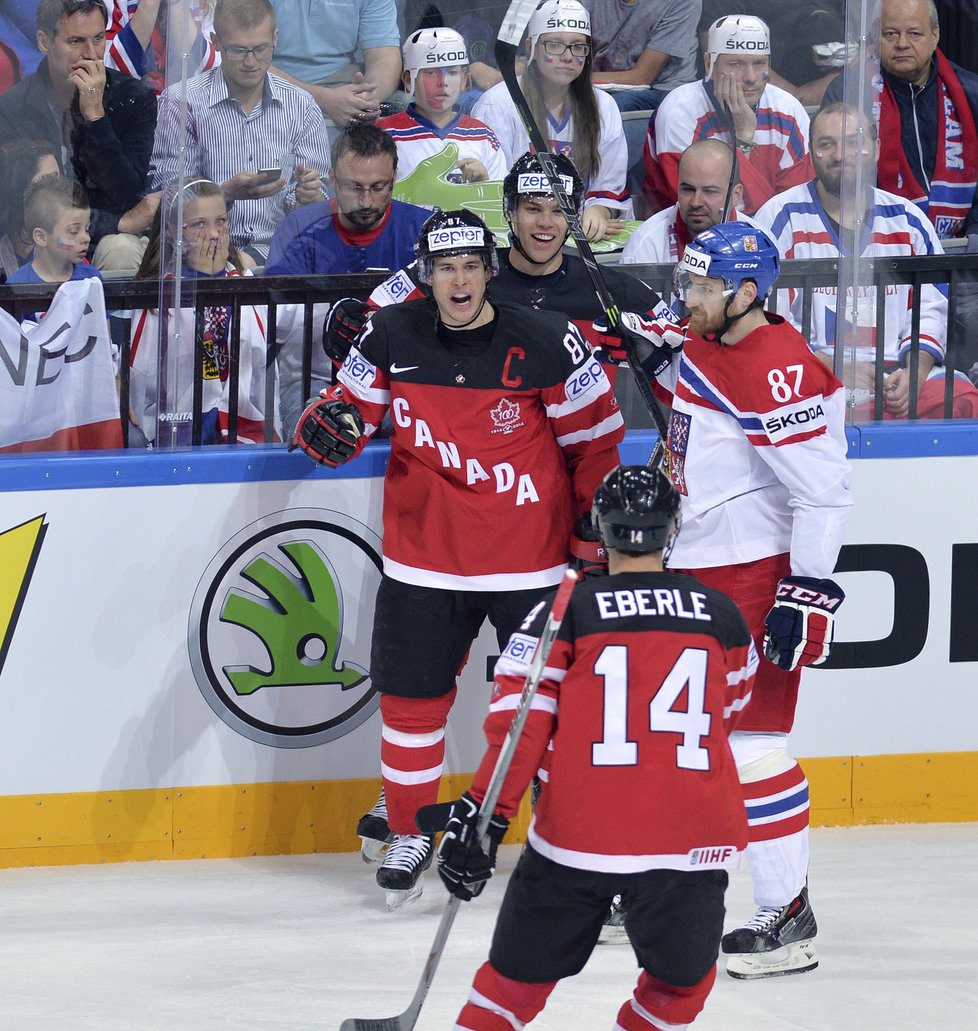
point(503, 425)
point(757, 450)
point(648, 673)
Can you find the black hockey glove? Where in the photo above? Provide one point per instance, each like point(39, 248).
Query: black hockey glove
point(800, 626)
point(463, 865)
point(588, 553)
point(329, 430)
point(651, 342)
point(342, 326)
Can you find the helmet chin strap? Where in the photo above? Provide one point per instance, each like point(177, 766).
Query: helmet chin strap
point(729, 320)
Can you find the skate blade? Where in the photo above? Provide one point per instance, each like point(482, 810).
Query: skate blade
point(796, 958)
point(372, 851)
point(613, 934)
point(399, 899)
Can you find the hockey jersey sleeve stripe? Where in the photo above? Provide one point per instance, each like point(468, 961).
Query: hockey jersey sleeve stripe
point(737, 705)
point(410, 776)
point(540, 703)
point(613, 424)
point(397, 737)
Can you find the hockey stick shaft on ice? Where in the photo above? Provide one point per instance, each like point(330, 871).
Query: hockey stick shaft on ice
point(506, 50)
point(406, 1020)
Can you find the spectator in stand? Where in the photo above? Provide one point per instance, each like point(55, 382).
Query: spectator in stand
point(736, 103)
point(22, 162)
point(808, 41)
point(363, 228)
point(208, 252)
point(99, 122)
point(820, 219)
point(650, 44)
point(435, 73)
point(580, 120)
point(56, 214)
point(259, 136)
point(20, 55)
point(927, 111)
point(321, 48)
point(478, 24)
point(704, 184)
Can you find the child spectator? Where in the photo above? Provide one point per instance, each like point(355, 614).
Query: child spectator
point(207, 253)
point(56, 217)
point(22, 162)
point(579, 120)
point(435, 73)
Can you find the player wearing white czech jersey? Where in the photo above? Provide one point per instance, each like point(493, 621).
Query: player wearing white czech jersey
point(812, 221)
point(757, 450)
point(435, 72)
point(770, 127)
point(503, 423)
point(608, 719)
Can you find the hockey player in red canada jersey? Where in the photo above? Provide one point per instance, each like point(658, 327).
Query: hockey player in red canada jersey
point(503, 424)
point(649, 672)
point(757, 450)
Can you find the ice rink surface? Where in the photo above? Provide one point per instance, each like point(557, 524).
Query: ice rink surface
point(301, 942)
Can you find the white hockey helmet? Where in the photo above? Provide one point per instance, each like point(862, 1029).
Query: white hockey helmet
point(738, 35)
point(432, 48)
point(557, 16)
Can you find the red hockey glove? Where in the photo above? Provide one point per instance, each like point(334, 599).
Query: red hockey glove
point(607, 343)
point(800, 626)
point(463, 864)
point(342, 326)
point(588, 553)
point(329, 430)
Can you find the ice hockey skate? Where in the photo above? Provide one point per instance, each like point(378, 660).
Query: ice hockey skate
point(374, 833)
point(408, 856)
point(613, 929)
point(774, 942)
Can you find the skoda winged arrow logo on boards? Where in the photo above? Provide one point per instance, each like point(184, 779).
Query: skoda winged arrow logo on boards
point(280, 628)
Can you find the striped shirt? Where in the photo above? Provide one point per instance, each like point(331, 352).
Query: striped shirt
point(285, 129)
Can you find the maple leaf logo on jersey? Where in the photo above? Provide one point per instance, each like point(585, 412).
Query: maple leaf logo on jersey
point(506, 416)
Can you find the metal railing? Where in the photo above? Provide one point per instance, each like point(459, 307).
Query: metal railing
point(123, 296)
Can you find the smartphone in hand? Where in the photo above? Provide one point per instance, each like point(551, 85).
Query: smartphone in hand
point(267, 175)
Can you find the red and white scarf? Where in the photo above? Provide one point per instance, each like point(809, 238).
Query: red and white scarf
point(952, 186)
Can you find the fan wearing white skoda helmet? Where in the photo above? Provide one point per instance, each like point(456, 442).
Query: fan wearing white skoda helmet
point(576, 118)
point(735, 103)
point(757, 451)
point(435, 73)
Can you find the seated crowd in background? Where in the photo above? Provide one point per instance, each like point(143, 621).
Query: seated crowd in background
point(272, 87)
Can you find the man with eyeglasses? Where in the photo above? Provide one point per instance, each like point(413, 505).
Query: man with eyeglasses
point(361, 229)
point(927, 111)
point(260, 137)
point(99, 123)
point(821, 219)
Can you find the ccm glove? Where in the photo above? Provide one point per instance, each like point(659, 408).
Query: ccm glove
point(801, 624)
point(342, 326)
point(329, 430)
point(463, 864)
point(653, 343)
point(589, 557)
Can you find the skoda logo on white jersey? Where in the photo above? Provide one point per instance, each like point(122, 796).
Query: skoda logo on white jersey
point(456, 238)
point(537, 182)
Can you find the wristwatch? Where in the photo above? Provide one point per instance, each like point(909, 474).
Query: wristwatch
point(745, 148)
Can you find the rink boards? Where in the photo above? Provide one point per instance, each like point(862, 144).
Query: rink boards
point(184, 651)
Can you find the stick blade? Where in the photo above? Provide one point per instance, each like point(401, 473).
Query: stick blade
point(367, 1024)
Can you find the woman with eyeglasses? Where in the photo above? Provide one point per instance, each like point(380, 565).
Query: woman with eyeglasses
point(580, 120)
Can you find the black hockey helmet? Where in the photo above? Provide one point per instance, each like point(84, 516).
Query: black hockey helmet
point(635, 509)
point(451, 233)
point(527, 179)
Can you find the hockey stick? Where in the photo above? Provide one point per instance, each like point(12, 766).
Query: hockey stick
point(506, 49)
point(406, 1020)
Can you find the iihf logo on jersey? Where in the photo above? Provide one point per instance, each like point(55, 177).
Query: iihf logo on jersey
point(506, 416)
point(280, 627)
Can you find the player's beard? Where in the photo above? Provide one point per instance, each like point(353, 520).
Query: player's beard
point(704, 323)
